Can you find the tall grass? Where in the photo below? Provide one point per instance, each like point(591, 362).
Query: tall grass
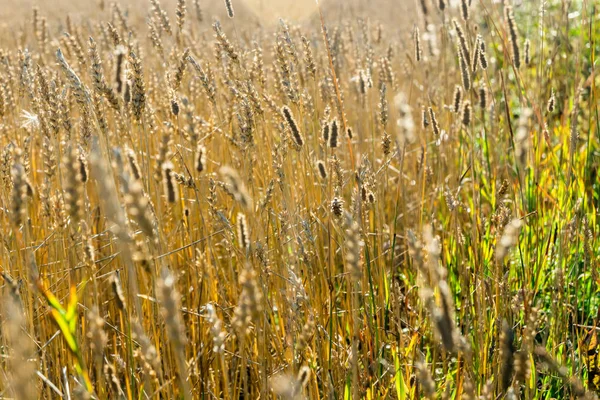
point(330, 209)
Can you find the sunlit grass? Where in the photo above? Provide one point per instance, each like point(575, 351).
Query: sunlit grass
point(184, 213)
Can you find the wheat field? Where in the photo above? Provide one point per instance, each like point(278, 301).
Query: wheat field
point(293, 200)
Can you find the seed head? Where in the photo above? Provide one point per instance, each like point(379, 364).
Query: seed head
point(169, 182)
point(551, 102)
point(434, 124)
point(514, 35)
point(483, 63)
point(325, 132)
point(242, 232)
point(466, 113)
point(457, 99)
point(333, 134)
point(229, 8)
point(483, 94)
point(200, 158)
point(337, 207)
point(417, 41)
point(322, 169)
point(293, 127)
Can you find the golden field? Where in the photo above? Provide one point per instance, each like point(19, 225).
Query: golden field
point(292, 200)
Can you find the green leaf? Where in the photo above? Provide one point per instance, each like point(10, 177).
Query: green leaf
point(64, 327)
point(400, 385)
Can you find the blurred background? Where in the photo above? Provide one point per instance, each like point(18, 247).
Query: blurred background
point(396, 14)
